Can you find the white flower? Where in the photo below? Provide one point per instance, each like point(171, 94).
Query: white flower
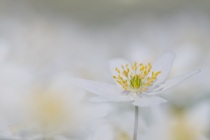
point(182, 124)
point(58, 111)
point(137, 83)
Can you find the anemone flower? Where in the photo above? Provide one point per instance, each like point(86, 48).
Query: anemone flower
point(191, 123)
point(136, 83)
point(58, 111)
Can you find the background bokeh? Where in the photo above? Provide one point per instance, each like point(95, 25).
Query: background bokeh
point(44, 43)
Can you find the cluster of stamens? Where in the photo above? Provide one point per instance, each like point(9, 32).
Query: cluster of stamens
point(135, 77)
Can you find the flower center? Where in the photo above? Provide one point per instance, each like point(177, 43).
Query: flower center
point(135, 77)
point(49, 108)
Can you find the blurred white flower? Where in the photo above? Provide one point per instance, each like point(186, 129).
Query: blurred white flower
point(114, 127)
point(56, 111)
point(15, 82)
point(139, 83)
point(105, 131)
point(191, 124)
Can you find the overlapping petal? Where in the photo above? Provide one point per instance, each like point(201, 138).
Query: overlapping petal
point(171, 83)
point(177, 80)
point(163, 64)
point(98, 88)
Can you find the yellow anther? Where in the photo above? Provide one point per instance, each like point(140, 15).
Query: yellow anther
point(118, 81)
point(120, 77)
point(149, 67)
point(114, 77)
point(142, 68)
point(117, 70)
point(125, 73)
point(159, 72)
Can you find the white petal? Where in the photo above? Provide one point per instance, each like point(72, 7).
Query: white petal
point(172, 82)
point(145, 101)
point(99, 110)
point(99, 99)
point(111, 99)
point(97, 88)
point(116, 63)
point(164, 65)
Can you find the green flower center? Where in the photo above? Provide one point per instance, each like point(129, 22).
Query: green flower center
point(135, 82)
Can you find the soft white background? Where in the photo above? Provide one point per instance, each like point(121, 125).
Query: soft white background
point(43, 43)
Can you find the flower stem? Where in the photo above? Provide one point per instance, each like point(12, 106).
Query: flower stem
point(136, 123)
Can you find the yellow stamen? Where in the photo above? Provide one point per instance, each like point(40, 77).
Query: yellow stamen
point(135, 78)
